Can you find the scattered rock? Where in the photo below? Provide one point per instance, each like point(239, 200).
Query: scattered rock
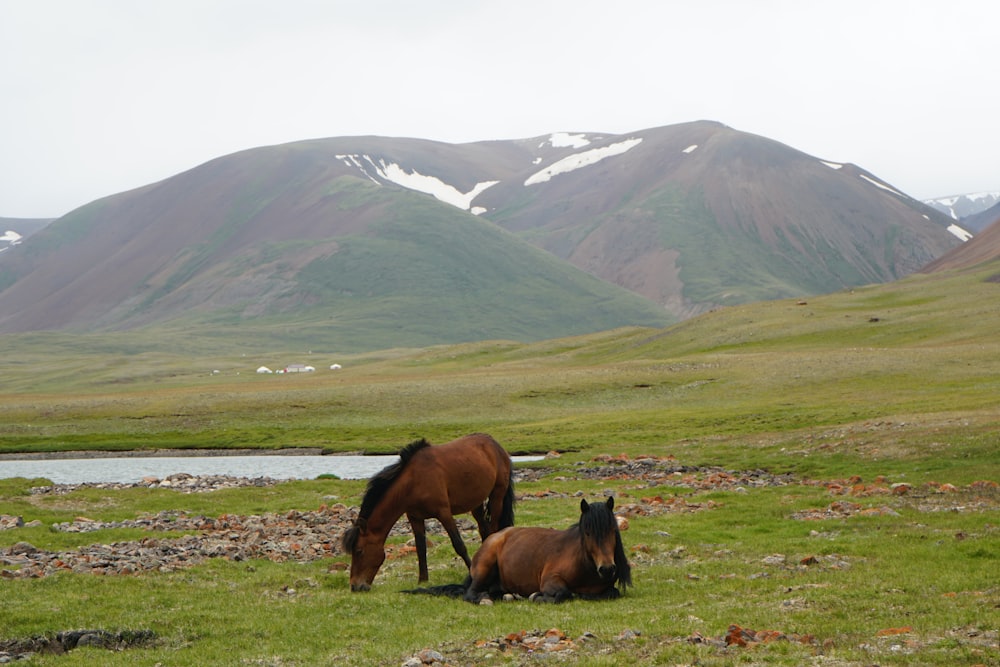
point(8, 521)
point(741, 637)
point(841, 509)
point(22, 649)
point(290, 536)
point(182, 482)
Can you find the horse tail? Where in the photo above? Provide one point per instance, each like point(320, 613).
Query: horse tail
point(506, 518)
point(507, 511)
point(446, 590)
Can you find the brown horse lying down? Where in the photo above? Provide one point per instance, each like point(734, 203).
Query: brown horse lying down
point(586, 560)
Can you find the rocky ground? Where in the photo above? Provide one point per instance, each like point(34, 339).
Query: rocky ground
point(654, 486)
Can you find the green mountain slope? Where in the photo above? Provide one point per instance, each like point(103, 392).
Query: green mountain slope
point(363, 267)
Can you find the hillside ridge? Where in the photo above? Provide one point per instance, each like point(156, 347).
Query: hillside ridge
point(677, 220)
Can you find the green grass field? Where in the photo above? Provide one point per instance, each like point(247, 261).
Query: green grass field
point(888, 384)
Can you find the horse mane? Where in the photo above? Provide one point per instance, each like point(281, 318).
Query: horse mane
point(600, 521)
point(378, 486)
point(623, 569)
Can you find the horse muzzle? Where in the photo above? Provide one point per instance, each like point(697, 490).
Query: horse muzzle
point(606, 572)
point(360, 588)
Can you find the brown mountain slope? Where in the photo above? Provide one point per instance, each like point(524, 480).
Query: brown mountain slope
point(983, 247)
point(698, 215)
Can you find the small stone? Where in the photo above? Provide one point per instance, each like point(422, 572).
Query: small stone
point(430, 656)
point(23, 549)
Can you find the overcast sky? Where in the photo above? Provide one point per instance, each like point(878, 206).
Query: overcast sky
point(101, 96)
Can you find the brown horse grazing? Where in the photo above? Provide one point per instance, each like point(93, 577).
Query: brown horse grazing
point(471, 474)
point(586, 560)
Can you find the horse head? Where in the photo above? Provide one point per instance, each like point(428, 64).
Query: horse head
point(597, 524)
point(602, 542)
point(367, 554)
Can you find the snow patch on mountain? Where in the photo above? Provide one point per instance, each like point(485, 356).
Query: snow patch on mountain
point(566, 140)
point(580, 160)
point(414, 180)
point(832, 165)
point(962, 234)
point(9, 239)
point(883, 186)
point(690, 149)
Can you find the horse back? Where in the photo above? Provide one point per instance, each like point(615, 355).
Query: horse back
point(466, 470)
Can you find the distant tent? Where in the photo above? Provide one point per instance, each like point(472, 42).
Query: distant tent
point(335, 367)
point(264, 369)
point(299, 368)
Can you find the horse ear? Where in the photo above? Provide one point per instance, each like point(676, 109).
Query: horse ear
point(611, 502)
point(584, 507)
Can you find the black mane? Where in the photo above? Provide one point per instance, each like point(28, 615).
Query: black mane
point(598, 521)
point(380, 484)
point(377, 487)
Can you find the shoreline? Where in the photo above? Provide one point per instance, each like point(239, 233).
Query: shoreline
point(166, 453)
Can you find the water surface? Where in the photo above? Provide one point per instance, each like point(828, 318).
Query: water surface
point(128, 470)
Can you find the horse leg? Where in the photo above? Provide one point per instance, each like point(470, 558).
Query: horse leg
point(553, 589)
point(497, 499)
point(420, 541)
point(479, 514)
point(448, 521)
point(484, 574)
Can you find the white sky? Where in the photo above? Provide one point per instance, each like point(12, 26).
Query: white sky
point(101, 96)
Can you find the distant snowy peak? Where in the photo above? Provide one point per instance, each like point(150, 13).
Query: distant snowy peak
point(962, 206)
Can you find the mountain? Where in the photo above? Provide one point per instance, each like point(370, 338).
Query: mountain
point(293, 242)
point(699, 215)
point(982, 220)
point(965, 207)
point(983, 247)
point(13, 231)
point(365, 242)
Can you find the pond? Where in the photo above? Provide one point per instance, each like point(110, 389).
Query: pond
point(131, 469)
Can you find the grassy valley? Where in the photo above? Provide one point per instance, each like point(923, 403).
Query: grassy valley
point(841, 489)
